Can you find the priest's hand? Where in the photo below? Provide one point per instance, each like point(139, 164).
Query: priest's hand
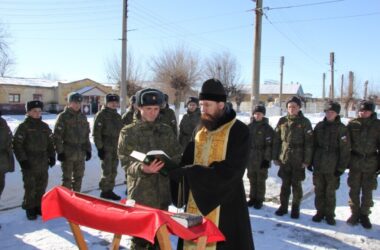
point(178, 173)
point(152, 168)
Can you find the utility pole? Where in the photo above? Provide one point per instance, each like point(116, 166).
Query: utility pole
point(341, 90)
point(255, 95)
point(123, 83)
point(324, 87)
point(332, 60)
point(281, 82)
point(365, 90)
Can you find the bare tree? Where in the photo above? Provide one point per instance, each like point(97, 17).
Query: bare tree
point(224, 67)
point(6, 61)
point(50, 76)
point(133, 78)
point(179, 68)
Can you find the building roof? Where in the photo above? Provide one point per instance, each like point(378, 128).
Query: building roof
point(36, 82)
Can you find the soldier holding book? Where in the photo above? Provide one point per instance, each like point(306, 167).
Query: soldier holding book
point(145, 183)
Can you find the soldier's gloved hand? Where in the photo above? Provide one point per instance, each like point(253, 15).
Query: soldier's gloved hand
point(61, 157)
point(310, 168)
point(88, 155)
point(338, 173)
point(265, 164)
point(378, 172)
point(24, 164)
point(52, 161)
point(101, 153)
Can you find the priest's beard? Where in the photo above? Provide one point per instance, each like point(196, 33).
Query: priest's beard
point(212, 122)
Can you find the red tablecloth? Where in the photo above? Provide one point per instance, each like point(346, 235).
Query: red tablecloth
point(139, 221)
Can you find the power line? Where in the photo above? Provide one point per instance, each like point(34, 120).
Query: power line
point(302, 5)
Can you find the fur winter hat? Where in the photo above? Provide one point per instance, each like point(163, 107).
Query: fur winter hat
point(112, 98)
point(34, 104)
point(334, 106)
point(294, 99)
point(74, 97)
point(149, 96)
point(259, 108)
point(192, 99)
point(365, 105)
point(213, 90)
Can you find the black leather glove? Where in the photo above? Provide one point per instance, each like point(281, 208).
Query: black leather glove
point(24, 164)
point(52, 161)
point(88, 155)
point(338, 173)
point(378, 171)
point(61, 157)
point(101, 153)
point(265, 164)
point(310, 168)
point(177, 174)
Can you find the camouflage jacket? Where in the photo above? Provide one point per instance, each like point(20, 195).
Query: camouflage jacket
point(167, 116)
point(33, 139)
point(293, 140)
point(331, 147)
point(261, 139)
point(130, 116)
point(365, 143)
point(187, 125)
point(6, 152)
point(106, 130)
point(148, 189)
point(71, 134)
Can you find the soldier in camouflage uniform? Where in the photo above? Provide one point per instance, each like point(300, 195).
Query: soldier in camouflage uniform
point(107, 126)
point(7, 163)
point(167, 115)
point(72, 142)
point(331, 158)
point(189, 121)
point(260, 156)
point(364, 165)
point(145, 184)
point(132, 113)
point(34, 150)
point(293, 152)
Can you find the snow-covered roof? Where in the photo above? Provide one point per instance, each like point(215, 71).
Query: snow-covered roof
point(36, 82)
point(267, 89)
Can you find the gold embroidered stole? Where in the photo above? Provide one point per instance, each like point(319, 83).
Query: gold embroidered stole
point(210, 146)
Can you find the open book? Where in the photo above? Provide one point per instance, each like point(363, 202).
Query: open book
point(187, 219)
point(156, 154)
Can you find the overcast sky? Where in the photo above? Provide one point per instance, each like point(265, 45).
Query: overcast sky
point(72, 39)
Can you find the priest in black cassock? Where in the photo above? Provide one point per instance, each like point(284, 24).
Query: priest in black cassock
point(213, 169)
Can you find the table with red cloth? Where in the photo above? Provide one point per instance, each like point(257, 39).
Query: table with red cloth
point(139, 221)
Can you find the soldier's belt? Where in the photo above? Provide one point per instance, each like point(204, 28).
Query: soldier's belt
point(365, 156)
point(75, 145)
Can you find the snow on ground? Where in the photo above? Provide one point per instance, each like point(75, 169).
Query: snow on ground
point(270, 231)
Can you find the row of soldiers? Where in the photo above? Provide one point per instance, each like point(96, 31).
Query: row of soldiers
point(35, 145)
point(326, 151)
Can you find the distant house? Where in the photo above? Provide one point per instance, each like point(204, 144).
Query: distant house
point(16, 91)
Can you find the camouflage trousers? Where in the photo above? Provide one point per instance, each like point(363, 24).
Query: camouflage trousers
point(72, 174)
point(324, 188)
point(142, 244)
point(2, 182)
point(109, 167)
point(257, 179)
point(35, 182)
point(292, 177)
point(361, 187)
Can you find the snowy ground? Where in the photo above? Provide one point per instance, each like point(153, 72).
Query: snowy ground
point(270, 231)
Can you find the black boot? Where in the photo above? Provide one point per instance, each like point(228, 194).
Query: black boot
point(295, 213)
point(282, 210)
point(110, 195)
point(251, 202)
point(364, 220)
point(330, 220)
point(353, 220)
point(31, 214)
point(318, 217)
point(258, 204)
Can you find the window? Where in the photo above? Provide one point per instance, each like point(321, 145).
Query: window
point(14, 98)
point(37, 97)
